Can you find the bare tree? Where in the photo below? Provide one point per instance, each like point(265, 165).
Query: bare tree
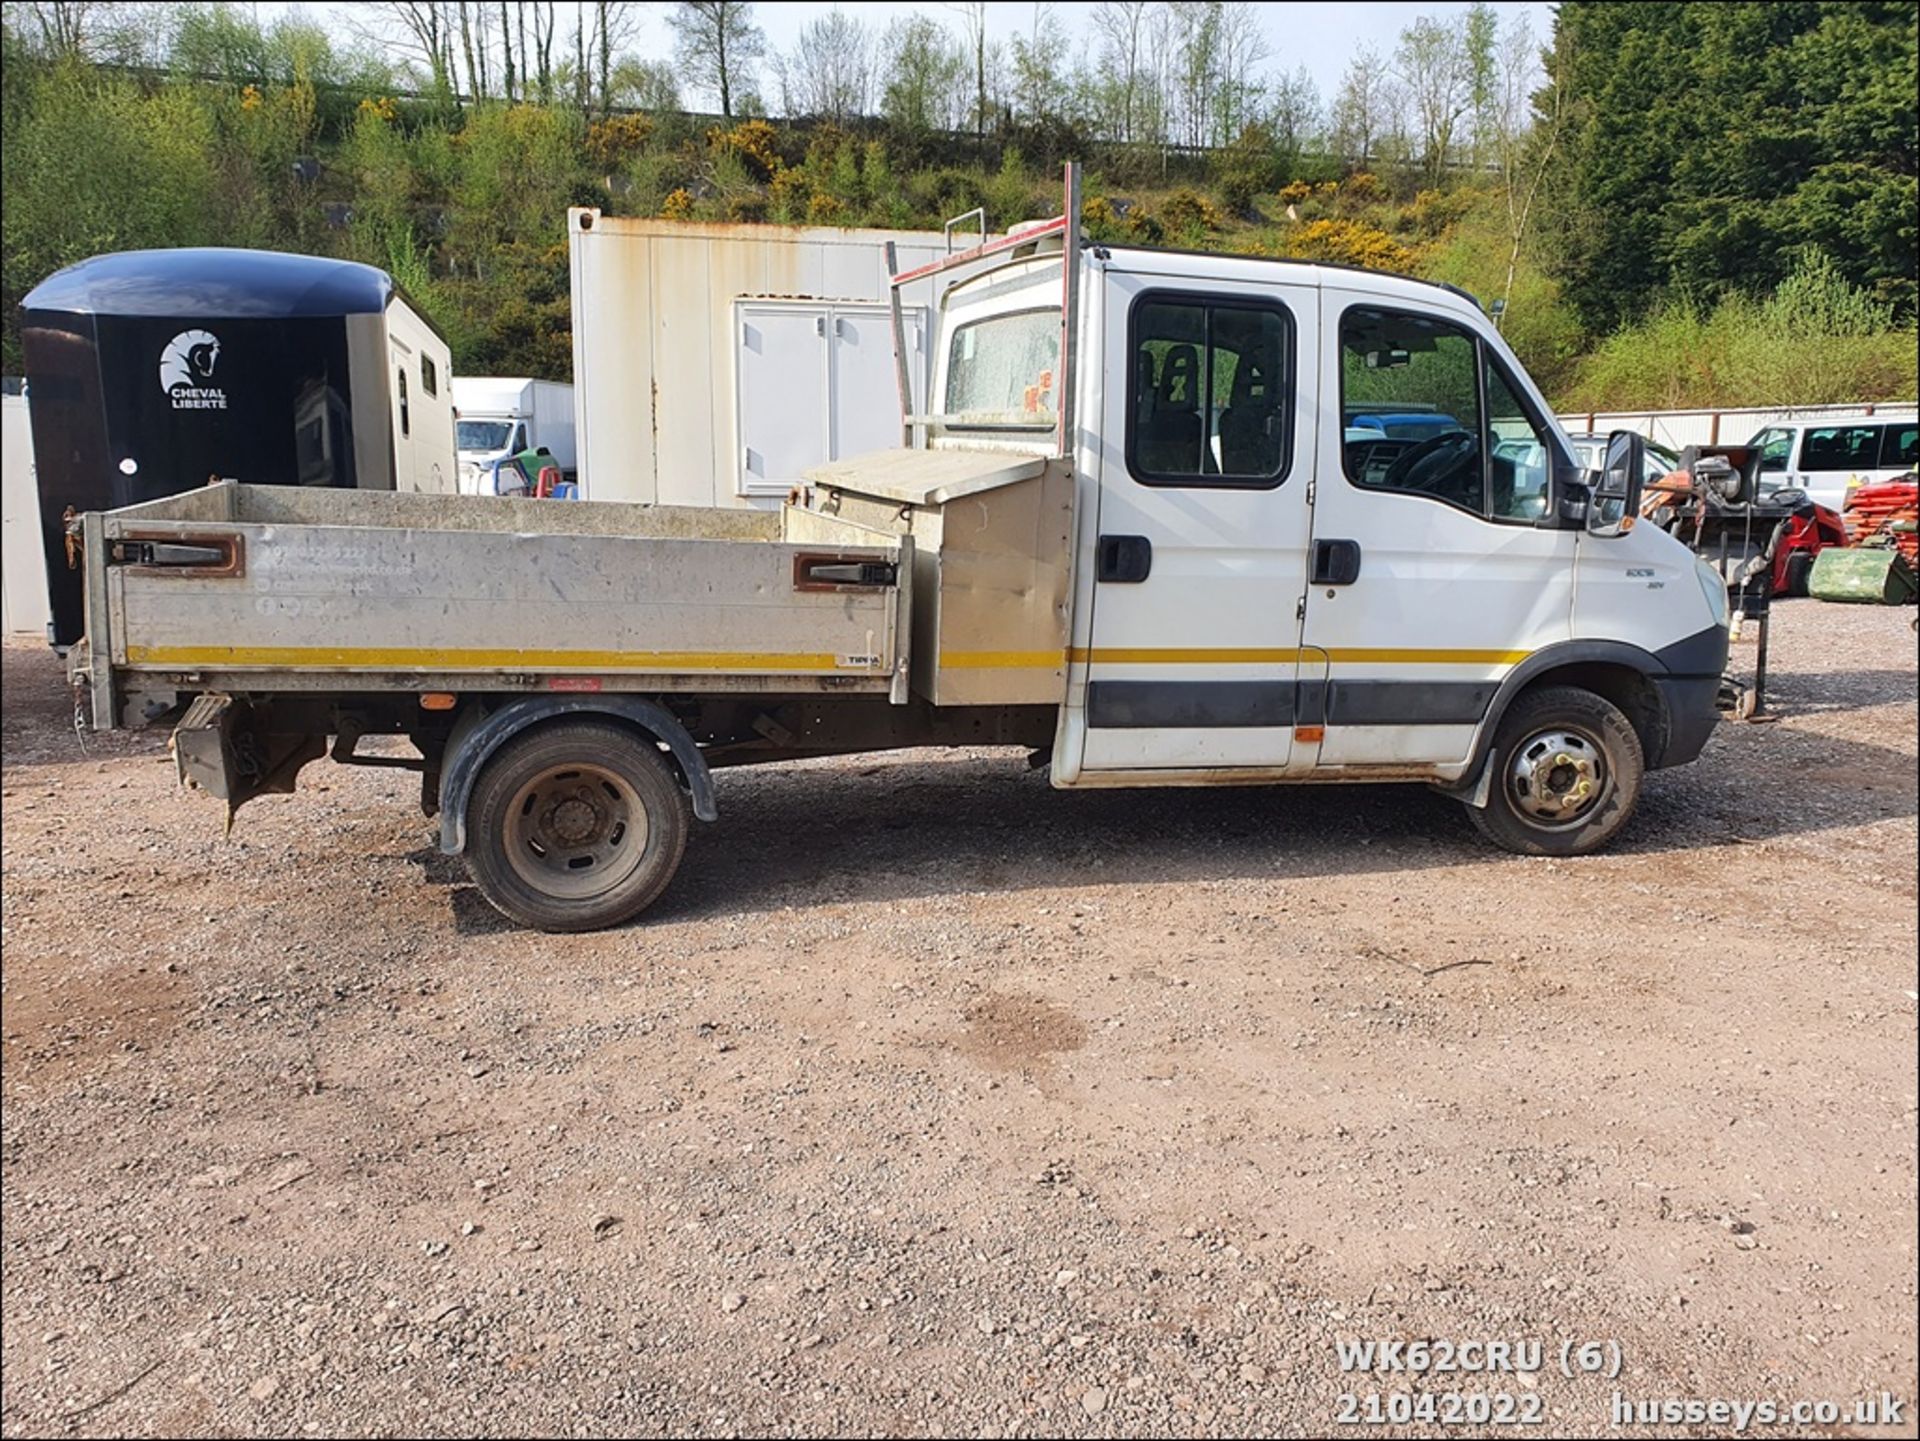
point(923, 80)
point(66, 26)
point(423, 31)
point(614, 22)
point(973, 24)
point(1038, 60)
point(1240, 47)
point(717, 44)
point(1525, 155)
point(1432, 63)
point(830, 73)
point(1122, 27)
point(582, 76)
point(1362, 109)
point(545, 23)
point(474, 86)
point(506, 51)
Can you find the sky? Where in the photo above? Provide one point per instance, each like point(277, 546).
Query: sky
point(1322, 37)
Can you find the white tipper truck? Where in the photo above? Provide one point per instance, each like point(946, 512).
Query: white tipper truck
point(495, 419)
point(1132, 534)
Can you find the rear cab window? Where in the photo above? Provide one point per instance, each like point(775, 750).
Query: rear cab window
point(1211, 391)
point(1000, 372)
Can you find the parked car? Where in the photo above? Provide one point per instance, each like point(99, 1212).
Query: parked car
point(1831, 457)
point(1590, 449)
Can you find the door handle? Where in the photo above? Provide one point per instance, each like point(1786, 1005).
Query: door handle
point(1336, 562)
point(1126, 559)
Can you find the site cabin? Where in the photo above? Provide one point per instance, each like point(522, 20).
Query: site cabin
point(1137, 535)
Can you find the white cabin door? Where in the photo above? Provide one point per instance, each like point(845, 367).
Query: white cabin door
point(1438, 578)
point(1208, 449)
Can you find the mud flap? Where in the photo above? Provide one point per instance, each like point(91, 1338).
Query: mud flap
point(222, 747)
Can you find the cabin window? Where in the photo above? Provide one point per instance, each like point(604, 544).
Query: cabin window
point(1001, 372)
point(1211, 395)
point(429, 377)
point(404, 430)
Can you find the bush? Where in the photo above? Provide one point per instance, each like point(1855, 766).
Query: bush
point(1345, 242)
point(678, 205)
point(1815, 341)
point(1010, 196)
point(611, 141)
point(1245, 168)
point(1098, 220)
point(755, 142)
point(1189, 215)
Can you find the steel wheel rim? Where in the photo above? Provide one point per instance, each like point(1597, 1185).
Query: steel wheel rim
point(576, 831)
point(1557, 777)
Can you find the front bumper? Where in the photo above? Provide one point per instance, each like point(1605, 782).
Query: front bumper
point(1692, 712)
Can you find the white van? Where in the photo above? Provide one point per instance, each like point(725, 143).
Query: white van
point(1831, 457)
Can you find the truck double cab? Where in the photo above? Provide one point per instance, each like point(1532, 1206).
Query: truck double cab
point(1132, 531)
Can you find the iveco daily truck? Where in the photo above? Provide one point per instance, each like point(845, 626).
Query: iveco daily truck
point(1131, 529)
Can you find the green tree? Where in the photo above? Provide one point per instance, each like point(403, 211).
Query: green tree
point(1706, 144)
point(92, 164)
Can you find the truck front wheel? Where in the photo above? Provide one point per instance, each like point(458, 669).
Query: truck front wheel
point(1566, 773)
point(576, 825)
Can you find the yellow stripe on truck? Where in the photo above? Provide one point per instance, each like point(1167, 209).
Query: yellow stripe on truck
point(1388, 656)
point(1001, 659)
point(390, 658)
point(1224, 657)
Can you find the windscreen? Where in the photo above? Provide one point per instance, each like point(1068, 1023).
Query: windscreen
point(1000, 372)
point(481, 435)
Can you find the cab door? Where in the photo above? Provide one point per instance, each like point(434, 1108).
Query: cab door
point(1208, 445)
point(1434, 569)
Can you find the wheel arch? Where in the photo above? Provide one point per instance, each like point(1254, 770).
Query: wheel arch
point(1620, 673)
point(483, 730)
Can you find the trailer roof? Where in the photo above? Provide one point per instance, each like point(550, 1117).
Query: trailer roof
point(218, 283)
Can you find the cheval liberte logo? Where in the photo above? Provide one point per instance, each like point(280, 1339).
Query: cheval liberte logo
point(186, 371)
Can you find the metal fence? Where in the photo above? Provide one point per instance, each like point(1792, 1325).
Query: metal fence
point(1679, 428)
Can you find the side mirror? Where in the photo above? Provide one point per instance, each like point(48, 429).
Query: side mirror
point(1616, 497)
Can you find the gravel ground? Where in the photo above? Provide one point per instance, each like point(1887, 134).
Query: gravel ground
point(931, 1100)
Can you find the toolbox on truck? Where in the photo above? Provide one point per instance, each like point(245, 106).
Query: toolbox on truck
point(991, 534)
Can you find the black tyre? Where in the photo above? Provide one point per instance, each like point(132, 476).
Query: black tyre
point(1566, 773)
point(576, 825)
point(1799, 567)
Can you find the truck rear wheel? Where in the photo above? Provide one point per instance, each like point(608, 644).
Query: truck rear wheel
point(575, 826)
point(1566, 773)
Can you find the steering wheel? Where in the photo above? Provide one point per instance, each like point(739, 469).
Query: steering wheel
point(1432, 462)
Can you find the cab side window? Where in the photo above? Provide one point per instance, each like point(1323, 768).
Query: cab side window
point(1774, 446)
point(1901, 448)
point(1519, 460)
point(1413, 418)
point(1211, 396)
point(1841, 447)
